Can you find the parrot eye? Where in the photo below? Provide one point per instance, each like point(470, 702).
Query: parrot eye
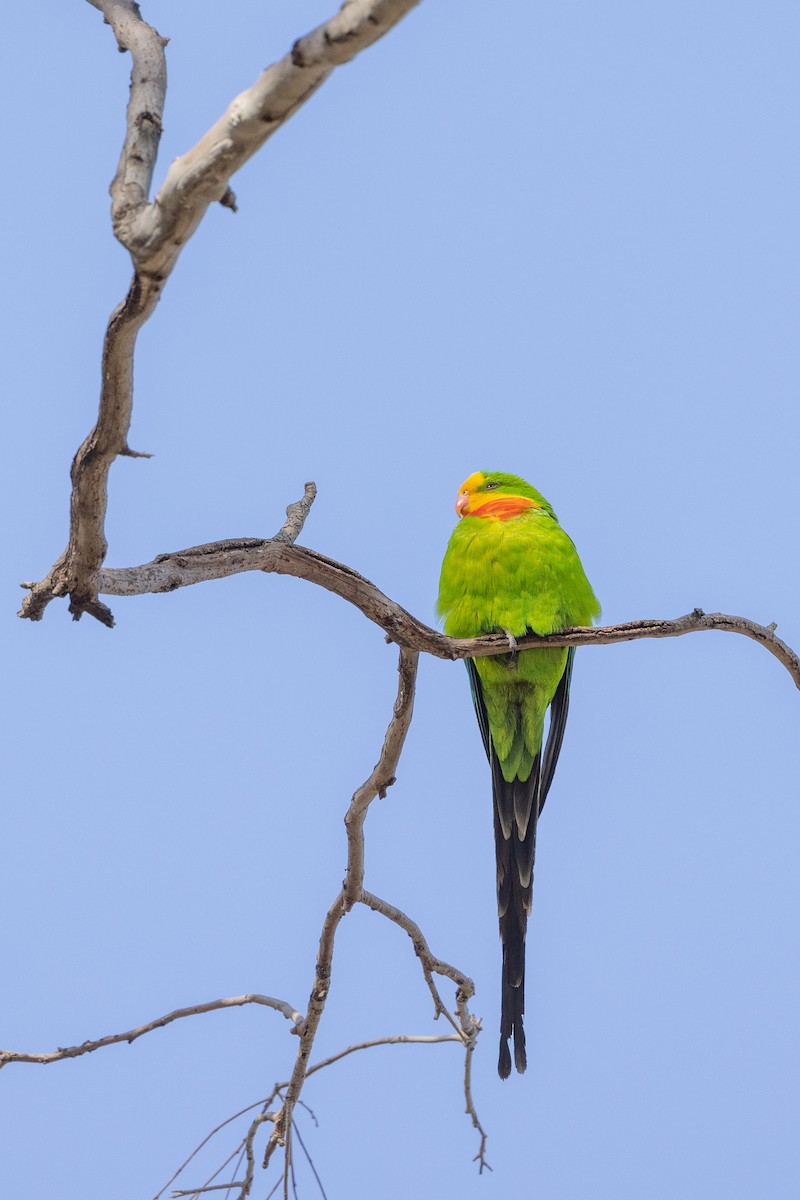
point(489, 487)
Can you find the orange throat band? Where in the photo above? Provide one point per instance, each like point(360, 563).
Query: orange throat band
point(502, 507)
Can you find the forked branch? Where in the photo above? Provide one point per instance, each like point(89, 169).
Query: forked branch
point(465, 1027)
point(156, 231)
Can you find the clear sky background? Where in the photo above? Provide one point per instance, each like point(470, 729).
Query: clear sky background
point(554, 238)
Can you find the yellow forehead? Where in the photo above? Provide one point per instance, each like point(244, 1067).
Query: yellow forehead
point(473, 483)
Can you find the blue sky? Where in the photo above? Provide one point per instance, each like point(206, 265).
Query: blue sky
point(557, 239)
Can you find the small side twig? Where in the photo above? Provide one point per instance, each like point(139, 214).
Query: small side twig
point(209, 1187)
point(63, 1052)
point(296, 514)
point(431, 966)
point(467, 1026)
point(262, 1104)
point(398, 1039)
point(472, 1113)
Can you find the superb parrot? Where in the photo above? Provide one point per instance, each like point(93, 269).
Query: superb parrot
point(510, 567)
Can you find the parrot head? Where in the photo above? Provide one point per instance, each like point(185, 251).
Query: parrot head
point(499, 495)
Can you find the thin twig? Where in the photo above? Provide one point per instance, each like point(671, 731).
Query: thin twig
point(207, 1186)
point(467, 1026)
point(403, 1039)
point(307, 1109)
point(250, 1152)
point(382, 777)
point(310, 1160)
point(262, 1104)
point(281, 1006)
point(213, 1187)
point(430, 964)
point(400, 1039)
point(480, 1157)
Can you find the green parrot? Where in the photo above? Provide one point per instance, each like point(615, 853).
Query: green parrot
point(510, 567)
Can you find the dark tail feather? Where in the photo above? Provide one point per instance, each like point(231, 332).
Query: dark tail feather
point(515, 858)
point(517, 807)
point(512, 1011)
point(559, 708)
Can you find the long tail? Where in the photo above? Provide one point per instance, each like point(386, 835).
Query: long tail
point(517, 806)
point(516, 811)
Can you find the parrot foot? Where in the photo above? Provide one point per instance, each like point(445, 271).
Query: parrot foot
point(512, 643)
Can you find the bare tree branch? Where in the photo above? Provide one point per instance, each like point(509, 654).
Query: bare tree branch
point(264, 1104)
point(466, 1026)
point(155, 233)
point(9, 1056)
point(218, 560)
point(480, 1158)
point(381, 777)
point(398, 1039)
point(130, 188)
point(213, 1187)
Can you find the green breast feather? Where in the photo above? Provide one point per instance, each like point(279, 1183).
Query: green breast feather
point(519, 575)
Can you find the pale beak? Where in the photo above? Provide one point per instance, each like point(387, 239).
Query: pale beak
point(462, 504)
